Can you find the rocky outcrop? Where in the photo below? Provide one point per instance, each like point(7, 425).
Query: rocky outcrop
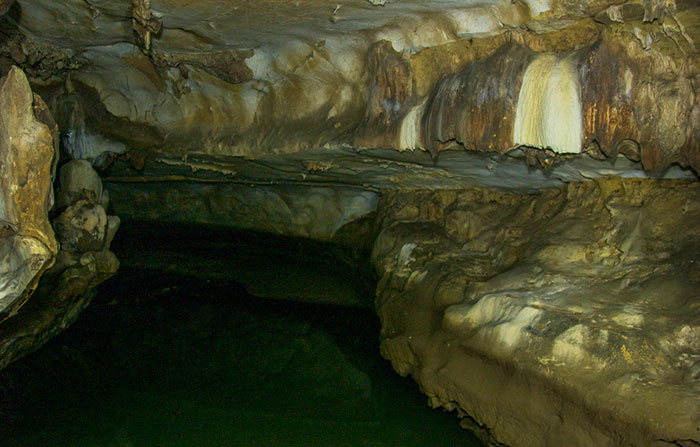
point(567, 317)
point(553, 312)
point(606, 90)
point(84, 232)
point(27, 161)
point(29, 243)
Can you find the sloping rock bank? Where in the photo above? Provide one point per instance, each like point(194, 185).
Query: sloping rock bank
point(568, 317)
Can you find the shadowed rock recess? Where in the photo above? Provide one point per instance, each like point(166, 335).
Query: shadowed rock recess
point(522, 173)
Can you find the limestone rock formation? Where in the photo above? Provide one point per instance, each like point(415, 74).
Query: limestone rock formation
point(172, 80)
point(29, 243)
point(567, 317)
point(313, 212)
point(27, 157)
point(78, 179)
point(536, 272)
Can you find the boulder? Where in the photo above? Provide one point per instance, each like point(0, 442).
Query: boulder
point(78, 179)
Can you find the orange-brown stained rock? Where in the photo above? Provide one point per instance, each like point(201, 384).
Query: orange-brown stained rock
point(633, 93)
point(633, 101)
point(390, 96)
point(608, 112)
point(476, 107)
point(690, 152)
point(654, 158)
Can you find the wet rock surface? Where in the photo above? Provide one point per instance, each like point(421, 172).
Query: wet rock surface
point(567, 317)
point(334, 197)
point(323, 213)
point(552, 309)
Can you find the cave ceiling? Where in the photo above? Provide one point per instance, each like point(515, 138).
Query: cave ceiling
point(371, 93)
point(417, 130)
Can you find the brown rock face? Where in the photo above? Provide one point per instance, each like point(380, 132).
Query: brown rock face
point(567, 317)
point(475, 107)
point(613, 94)
point(28, 246)
point(556, 311)
point(390, 95)
point(27, 158)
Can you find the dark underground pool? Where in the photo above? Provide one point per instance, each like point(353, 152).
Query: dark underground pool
point(166, 358)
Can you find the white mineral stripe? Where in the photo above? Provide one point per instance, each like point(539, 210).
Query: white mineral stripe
point(548, 113)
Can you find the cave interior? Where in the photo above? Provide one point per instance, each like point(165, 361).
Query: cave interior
point(350, 222)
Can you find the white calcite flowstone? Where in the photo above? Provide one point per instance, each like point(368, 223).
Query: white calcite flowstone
point(500, 318)
point(566, 317)
point(549, 109)
point(27, 243)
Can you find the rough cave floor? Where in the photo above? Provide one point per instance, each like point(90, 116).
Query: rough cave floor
point(161, 358)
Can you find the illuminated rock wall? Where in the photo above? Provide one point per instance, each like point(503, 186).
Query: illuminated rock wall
point(567, 317)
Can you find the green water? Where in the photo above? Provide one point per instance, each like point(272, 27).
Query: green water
point(168, 360)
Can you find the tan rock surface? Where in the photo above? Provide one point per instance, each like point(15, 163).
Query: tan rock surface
point(27, 154)
point(567, 317)
point(29, 249)
point(554, 311)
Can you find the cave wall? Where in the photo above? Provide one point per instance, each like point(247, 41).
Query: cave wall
point(28, 162)
point(49, 264)
point(593, 76)
point(525, 280)
point(566, 317)
point(303, 211)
